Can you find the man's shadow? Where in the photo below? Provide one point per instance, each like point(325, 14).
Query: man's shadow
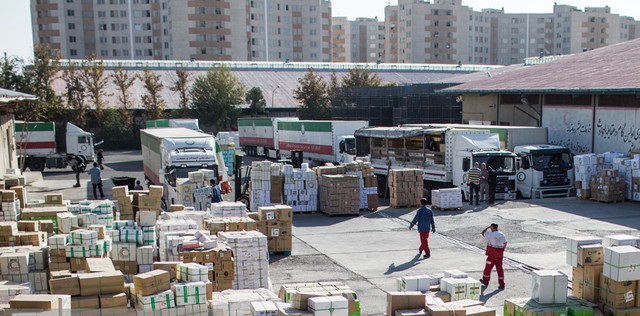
point(484, 295)
point(404, 266)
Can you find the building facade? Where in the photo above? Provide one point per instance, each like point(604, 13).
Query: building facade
point(359, 41)
point(229, 30)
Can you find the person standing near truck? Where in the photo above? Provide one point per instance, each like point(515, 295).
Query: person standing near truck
point(424, 219)
point(484, 183)
point(496, 243)
point(493, 181)
point(473, 179)
point(96, 180)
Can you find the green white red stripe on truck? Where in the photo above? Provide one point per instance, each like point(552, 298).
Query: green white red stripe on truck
point(307, 148)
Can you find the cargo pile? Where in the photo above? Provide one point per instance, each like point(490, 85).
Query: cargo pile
point(446, 199)
point(276, 222)
point(263, 189)
point(405, 186)
point(228, 147)
point(608, 177)
point(194, 191)
point(604, 272)
point(300, 188)
point(318, 298)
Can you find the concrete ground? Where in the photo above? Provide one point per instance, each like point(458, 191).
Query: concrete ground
point(368, 252)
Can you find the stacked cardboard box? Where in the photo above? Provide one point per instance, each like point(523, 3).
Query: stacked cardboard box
point(437, 307)
point(91, 213)
point(238, 302)
point(584, 168)
point(43, 214)
point(405, 187)
point(340, 194)
point(187, 214)
point(224, 224)
point(43, 304)
point(251, 261)
point(589, 166)
point(10, 205)
point(228, 209)
point(153, 291)
point(170, 234)
point(228, 147)
point(528, 306)
point(297, 295)
point(10, 236)
point(84, 243)
point(368, 183)
point(422, 283)
point(10, 289)
point(300, 188)
point(262, 188)
point(219, 262)
point(276, 222)
point(27, 265)
point(445, 199)
point(608, 186)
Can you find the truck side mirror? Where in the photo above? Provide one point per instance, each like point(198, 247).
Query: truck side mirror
point(342, 146)
point(466, 164)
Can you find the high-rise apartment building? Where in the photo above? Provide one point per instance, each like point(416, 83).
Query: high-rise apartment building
point(254, 30)
point(359, 41)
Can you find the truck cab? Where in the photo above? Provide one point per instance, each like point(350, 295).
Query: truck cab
point(346, 149)
point(544, 171)
point(80, 143)
point(503, 162)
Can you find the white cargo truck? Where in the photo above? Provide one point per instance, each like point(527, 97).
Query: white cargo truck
point(36, 142)
point(320, 141)
point(163, 123)
point(444, 154)
point(171, 153)
point(536, 175)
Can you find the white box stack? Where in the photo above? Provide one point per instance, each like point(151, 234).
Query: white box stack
point(251, 258)
point(264, 308)
point(620, 240)
point(190, 293)
point(300, 188)
point(420, 283)
point(572, 247)
point(260, 184)
point(461, 288)
point(329, 306)
point(228, 209)
point(621, 263)
point(238, 302)
point(584, 168)
point(549, 287)
point(170, 234)
point(446, 199)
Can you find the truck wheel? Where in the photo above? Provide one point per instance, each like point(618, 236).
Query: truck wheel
point(36, 165)
point(244, 199)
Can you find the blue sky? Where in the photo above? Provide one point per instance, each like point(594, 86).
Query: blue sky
point(16, 37)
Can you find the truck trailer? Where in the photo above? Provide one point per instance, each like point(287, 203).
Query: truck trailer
point(444, 155)
point(171, 153)
point(37, 149)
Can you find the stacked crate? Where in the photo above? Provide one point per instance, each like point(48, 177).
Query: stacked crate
point(10, 205)
point(219, 262)
point(446, 199)
point(340, 194)
point(608, 186)
point(224, 224)
point(251, 258)
point(405, 187)
point(298, 296)
point(27, 265)
point(228, 148)
point(275, 222)
point(262, 188)
point(368, 183)
point(300, 188)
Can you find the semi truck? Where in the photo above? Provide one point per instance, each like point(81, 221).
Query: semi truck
point(37, 148)
point(444, 154)
point(320, 141)
point(171, 153)
point(163, 123)
point(537, 175)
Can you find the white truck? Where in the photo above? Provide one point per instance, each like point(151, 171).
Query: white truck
point(163, 123)
point(320, 141)
point(537, 174)
point(171, 153)
point(444, 154)
point(36, 142)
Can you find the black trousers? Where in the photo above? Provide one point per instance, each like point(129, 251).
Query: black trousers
point(492, 194)
point(474, 188)
point(99, 186)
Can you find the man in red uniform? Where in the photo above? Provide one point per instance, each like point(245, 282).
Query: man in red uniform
point(496, 242)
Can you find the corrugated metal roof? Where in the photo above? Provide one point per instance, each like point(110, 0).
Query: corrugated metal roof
point(611, 69)
point(266, 80)
point(8, 96)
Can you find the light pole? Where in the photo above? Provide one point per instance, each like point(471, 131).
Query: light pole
point(272, 94)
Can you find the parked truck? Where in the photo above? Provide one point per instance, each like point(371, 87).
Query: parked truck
point(37, 148)
point(320, 141)
point(163, 123)
point(171, 153)
point(444, 154)
point(537, 175)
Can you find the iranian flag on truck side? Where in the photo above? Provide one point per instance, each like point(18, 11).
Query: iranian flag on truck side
point(310, 137)
point(256, 132)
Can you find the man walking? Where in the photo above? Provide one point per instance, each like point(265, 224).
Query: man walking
point(96, 180)
point(484, 183)
point(473, 179)
point(424, 219)
point(496, 243)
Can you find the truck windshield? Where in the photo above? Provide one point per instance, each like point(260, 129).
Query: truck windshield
point(547, 161)
point(350, 146)
point(502, 164)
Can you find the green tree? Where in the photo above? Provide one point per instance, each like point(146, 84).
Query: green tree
point(256, 99)
point(152, 101)
point(181, 86)
point(94, 79)
point(75, 94)
point(123, 81)
point(361, 77)
point(12, 77)
point(41, 72)
point(117, 130)
point(215, 95)
point(312, 94)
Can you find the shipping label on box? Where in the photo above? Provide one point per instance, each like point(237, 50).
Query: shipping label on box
point(124, 252)
point(589, 255)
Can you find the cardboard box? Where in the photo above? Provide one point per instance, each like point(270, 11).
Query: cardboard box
point(446, 310)
point(300, 300)
point(612, 311)
point(124, 252)
point(147, 218)
point(101, 283)
point(589, 255)
point(85, 302)
point(573, 244)
point(404, 300)
point(412, 312)
point(329, 306)
point(113, 300)
point(34, 302)
point(190, 293)
point(478, 310)
point(126, 267)
point(53, 198)
point(152, 282)
point(99, 265)
point(159, 301)
point(264, 308)
point(67, 285)
point(549, 287)
point(586, 283)
point(621, 262)
point(28, 226)
point(14, 263)
point(616, 293)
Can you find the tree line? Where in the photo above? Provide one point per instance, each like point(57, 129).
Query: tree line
point(214, 98)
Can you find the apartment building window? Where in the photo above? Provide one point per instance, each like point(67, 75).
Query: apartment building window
point(104, 52)
point(286, 7)
point(100, 1)
point(313, 56)
point(138, 52)
point(123, 13)
point(313, 32)
point(149, 52)
point(102, 27)
point(313, 44)
point(124, 26)
point(115, 53)
point(312, 8)
point(73, 52)
point(218, 11)
point(72, 39)
point(102, 14)
point(115, 40)
point(125, 39)
point(103, 40)
point(71, 13)
point(125, 52)
point(313, 20)
point(252, 17)
point(436, 12)
point(69, 1)
point(71, 26)
point(203, 51)
point(113, 13)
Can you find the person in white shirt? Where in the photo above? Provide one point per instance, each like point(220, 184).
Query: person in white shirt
point(496, 243)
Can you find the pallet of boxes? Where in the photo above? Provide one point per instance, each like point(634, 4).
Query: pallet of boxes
point(276, 222)
point(604, 272)
point(451, 292)
point(300, 188)
point(607, 177)
point(320, 298)
point(339, 193)
point(368, 183)
point(266, 184)
point(405, 187)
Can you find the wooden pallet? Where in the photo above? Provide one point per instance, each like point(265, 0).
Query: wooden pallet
point(279, 253)
point(584, 197)
point(446, 208)
point(305, 212)
point(607, 201)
